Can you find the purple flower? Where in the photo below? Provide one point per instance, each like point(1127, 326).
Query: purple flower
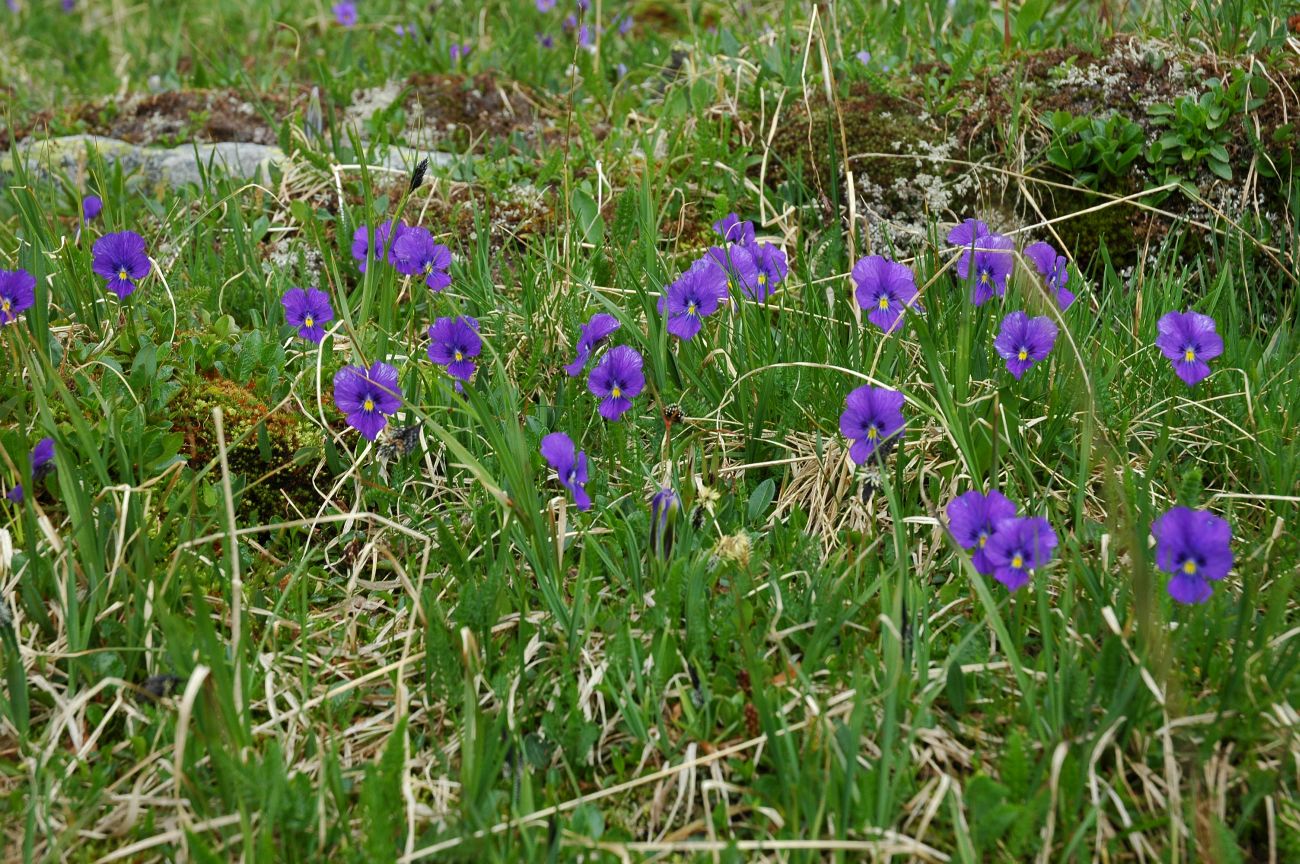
point(91, 206)
point(736, 266)
point(367, 396)
point(69, 5)
point(1055, 270)
point(988, 265)
point(584, 5)
point(120, 258)
point(772, 268)
point(459, 51)
point(345, 13)
point(545, 5)
point(416, 253)
point(625, 25)
point(361, 251)
point(584, 36)
point(973, 519)
point(1189, 339)
point(617, 379)
point(455, 341)
point(967, 232)
point(17, 294)
point(546, 40)
point(663, 512)
point(885, 288)
point(1023, 341)
point(42, 456)
point(693, 297)
point(1194, 547)
point(1018, 546)
point(873, 415)
point(570, 23)
point(570, 463)
point(864, 57)
point(601, 326)
point(732, 230)
point(308, 310)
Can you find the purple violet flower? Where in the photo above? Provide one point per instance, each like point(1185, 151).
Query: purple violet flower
point(973, 518)
point(1054, 268)
point(416, 253)
point(15, 495)
point(17, 294)
point(42, 456)
point(584, 5)
point(988, 265)
point(732, 230)
point(736, 265)
point(368, 396)
point(872, 416)
point(307, 310)
point(345, 13)
point(454, 342)
point(120, 258)
point(695, 295)
point(545, 5)
point(601, 326)
point(1189, 339)
point(459, 51)
point(546, 40)
point(570, 463)
point(384, 232)
point(91, 207)
point(1194, 547)
point(772, 269)
point(625, 24)
point(1019, 546)
point(864, 57)
point(885, 288)
point(617, 379)
point(584, 36)
point(967, 232)
point(1024, 341)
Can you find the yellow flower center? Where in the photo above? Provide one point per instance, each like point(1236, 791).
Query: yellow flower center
point(459, 356)
point(690, 308)
point(984, 277)
point(368, 405)
point(1023, 355)
point(428, 268)
point(1189, 567)
point(1190, 356)
point(984, 538)
point(884, 303)
point(4, 304)
point(731, 285)
point(1018, 561)
point(762, 278)
point(615, 391)
point(122, 274)
point(309, 321)
point(872, 433)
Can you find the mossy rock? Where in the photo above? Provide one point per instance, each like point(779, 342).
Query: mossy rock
point(272, 452)
point(807, 145)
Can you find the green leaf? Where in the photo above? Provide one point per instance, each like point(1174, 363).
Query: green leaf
point(761, 498)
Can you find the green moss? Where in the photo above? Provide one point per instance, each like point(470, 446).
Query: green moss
point(273, 453)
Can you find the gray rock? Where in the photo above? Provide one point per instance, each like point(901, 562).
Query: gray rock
point(157, 168)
